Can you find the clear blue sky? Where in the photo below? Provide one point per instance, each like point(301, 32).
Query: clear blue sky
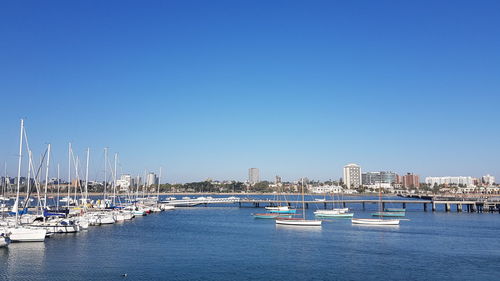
point(295, 88)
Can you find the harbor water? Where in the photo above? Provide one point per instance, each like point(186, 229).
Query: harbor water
point(227, 243)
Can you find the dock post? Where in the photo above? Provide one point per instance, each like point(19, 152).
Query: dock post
point(459, 208)
point(324, 205)
point(289, 204)
point(404, 205)
point(447, 207)
point(383, 206)
point(433, 206)
point(364, 206)
point(343, 204)
point(239, 204)
point(307, 205)
point(425, 207)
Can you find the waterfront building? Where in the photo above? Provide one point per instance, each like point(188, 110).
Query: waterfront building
point(125, 182)
point(151, 179)
point(253, 176)
point(326, 189)
point(352, 175)
point(411, 180)
point(371, 178)
point(465, 181)
point(488, 179)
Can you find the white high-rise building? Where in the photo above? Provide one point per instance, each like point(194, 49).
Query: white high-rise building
point(488, 179)
point(151, 179)
point(352, 175)
point(466, 181)
point(253, 175)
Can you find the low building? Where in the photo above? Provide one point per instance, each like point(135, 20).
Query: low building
point(465, 181)
point(326, 189)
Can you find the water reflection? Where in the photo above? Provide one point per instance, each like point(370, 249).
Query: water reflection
point(22, 258)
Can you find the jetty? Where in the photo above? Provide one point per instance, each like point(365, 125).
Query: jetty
point(428, 204)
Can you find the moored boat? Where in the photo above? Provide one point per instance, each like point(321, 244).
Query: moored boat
point(375, 221)
point(298, 222)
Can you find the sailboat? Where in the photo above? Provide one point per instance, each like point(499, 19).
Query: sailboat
point(379, 221)
point(334, 213)
point(299, 221)
point(20, 233)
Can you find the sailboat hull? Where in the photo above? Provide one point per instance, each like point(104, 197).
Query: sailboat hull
point(334, 215)
point(375, 221)
point(298, 222)
point(27, 234)
point(290, 211)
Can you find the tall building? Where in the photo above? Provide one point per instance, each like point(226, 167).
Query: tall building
point(411, 180)
point(253, 175)
point(352, 175)
point(151, 179)
point(277, 180)
point(488, 179)
point(371, 178)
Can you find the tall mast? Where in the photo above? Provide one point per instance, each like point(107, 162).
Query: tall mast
point(114, 181)
point(105, 172)
point(69, 175)
point(303, 203)
point(19, 171)
point(58, 187)
point(77, 177)
point(158, 189)
point(28, 185)
point(145, 183)
point(46, 177)
point(87, 177)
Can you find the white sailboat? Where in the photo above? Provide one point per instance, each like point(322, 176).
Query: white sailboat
point(379, 221)
point(20, 233)
point(299, 221)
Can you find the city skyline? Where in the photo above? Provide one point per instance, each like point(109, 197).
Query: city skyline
point(295, 90)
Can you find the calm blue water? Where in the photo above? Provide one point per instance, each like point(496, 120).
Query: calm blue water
point(227, 243)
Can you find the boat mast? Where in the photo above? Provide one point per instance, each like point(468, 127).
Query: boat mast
point(87, 177)
point(46, 177)
point(77, 177)
point(158, 189)
point(19, 171)
point(303, 202)
point(28, 185)
point(114, 181)
point(69, 175)
point(145, 182)
point(58, 187)
point(105, 172)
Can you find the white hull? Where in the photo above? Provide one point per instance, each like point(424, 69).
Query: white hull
point(22, 234)
point(284, 208)
point(167, 207)
point(327, 212)
point(3, 242)
point(106, 220)
point(299, 222)
point(375, 222)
